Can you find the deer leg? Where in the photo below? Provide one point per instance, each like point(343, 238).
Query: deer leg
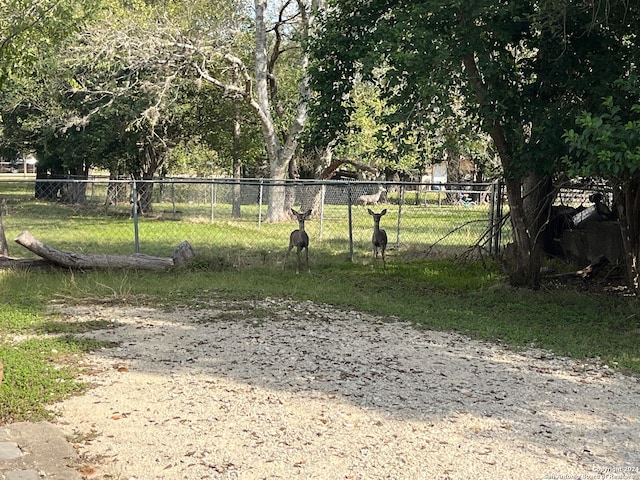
point(286, 256)
point(298, 255)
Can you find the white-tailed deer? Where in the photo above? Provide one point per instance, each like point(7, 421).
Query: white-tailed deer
point(379, 238)
point(299, 239)
point(372, 198)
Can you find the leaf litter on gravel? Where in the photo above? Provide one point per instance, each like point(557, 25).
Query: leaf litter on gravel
point(308, 390)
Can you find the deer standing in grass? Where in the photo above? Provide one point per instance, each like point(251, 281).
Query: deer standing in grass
point(372, 198)
point(299, 239)
point(379, 238)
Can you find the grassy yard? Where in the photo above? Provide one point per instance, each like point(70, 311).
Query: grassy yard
point(244, 242)
point(437, 294)
point(95, 226)
point(237, 261)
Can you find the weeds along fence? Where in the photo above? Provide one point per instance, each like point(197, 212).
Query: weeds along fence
point(227, 219)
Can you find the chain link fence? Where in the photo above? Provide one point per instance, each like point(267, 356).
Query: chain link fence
point(229, 218)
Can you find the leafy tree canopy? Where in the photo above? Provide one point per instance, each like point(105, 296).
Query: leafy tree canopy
point(29, 27)
point(528, 66)
point(606, 143)
point(123, 82)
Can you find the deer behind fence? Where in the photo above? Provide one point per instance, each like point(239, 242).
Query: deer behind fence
point(299, 239)
point(372, 198)
point(379, 238)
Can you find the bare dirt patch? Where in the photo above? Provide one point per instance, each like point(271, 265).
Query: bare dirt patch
point(272, 389)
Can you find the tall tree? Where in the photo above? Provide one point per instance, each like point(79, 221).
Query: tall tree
point(282, 119)
point(211, 40)
point(521, 69)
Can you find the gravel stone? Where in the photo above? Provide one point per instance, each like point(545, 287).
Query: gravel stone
point(278, 389)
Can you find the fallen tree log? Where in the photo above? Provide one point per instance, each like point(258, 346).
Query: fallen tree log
point(136, 261)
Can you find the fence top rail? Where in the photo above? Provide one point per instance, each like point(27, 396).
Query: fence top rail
point(453, 186)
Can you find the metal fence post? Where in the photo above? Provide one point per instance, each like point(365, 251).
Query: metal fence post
point(323, 190)
point(492, 219)
point(134, 200)
point(173, 198)
point(260, 203)
point(213, 201)
point(495, 218)
point(498, 233)
point(400, 202)
point(350, 221)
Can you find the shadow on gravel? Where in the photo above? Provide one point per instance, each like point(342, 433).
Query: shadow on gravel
point(402, 371)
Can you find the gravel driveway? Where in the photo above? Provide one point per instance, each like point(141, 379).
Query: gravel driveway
point(281, 389)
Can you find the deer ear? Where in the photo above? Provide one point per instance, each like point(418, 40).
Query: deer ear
point(383, 212)
point(370, 211)
point(294, 212)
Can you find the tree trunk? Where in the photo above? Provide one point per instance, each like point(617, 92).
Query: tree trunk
point(627, 200)
point(322, 159)
point(529, 194)
point(41, 188)
point(529, 204)
point(150, 161)
point(144, 197)
point(263, 100)
point(279, 154)
point(277, 165)
point(527, 215)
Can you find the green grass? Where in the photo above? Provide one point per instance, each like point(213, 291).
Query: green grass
point(94, 227)
point(40, 351)
point(37, 372)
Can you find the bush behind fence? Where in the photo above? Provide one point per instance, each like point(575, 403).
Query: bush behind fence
point(220, 216)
